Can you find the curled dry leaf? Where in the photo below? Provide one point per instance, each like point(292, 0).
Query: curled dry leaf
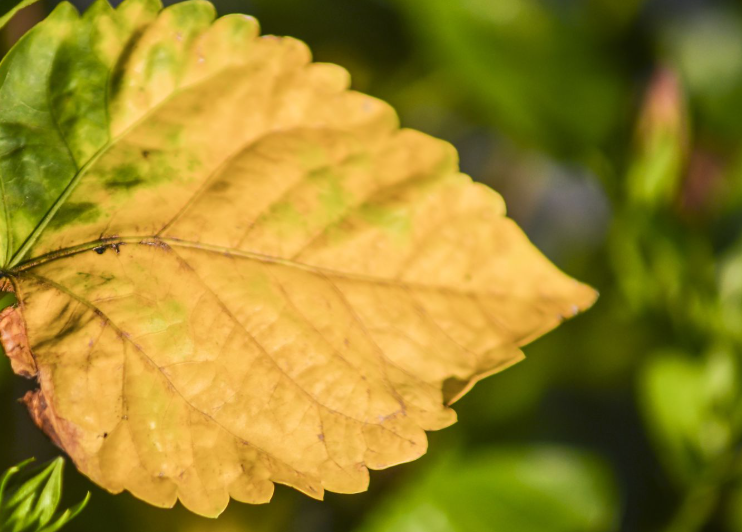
point(232, 270)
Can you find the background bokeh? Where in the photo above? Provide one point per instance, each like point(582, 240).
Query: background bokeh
point(612, 128)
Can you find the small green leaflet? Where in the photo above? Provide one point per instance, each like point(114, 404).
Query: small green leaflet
point(31, 506)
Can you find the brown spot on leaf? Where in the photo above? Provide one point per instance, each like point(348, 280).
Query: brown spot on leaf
point(15, 342)
point(41, 405)
point(42, 415)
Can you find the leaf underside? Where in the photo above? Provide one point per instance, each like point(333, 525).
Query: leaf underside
point(232, 270)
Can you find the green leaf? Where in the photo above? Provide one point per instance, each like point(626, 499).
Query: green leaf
point(688, 404)
point(538, 489)
point(67, 515)
point(50, 495)
point(32, 505)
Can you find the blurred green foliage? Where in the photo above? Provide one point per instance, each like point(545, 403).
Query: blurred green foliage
point(541, 489)
point(542, 76)
point(613, 129)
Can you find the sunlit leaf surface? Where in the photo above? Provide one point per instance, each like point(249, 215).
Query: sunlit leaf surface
point(233, 271)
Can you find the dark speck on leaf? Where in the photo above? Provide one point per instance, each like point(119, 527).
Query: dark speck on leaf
point(145, 153)
point(100, 250)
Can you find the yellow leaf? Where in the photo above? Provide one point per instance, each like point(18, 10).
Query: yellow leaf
point(232, 270)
